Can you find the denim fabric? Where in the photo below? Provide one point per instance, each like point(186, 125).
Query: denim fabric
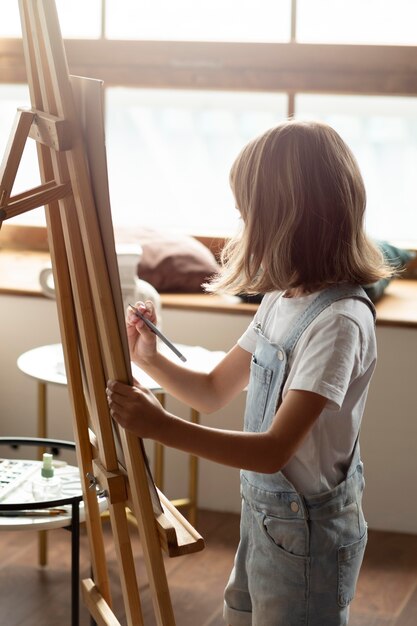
point(299, 557)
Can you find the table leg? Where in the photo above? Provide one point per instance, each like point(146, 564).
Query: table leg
point(159, 454)
point(42, 428)
point(75, 564)
point(42, 408)
point(191, 501)
point(193, 478)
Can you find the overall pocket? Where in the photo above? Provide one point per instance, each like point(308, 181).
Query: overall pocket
point(290, 535)
point(350, 559)
point(257, 396)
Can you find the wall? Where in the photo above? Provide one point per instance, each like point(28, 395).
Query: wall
point(389, 432)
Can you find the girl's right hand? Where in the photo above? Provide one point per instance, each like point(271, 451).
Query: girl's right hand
point(142, 341)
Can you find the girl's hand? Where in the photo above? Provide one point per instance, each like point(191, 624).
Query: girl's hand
point(142, 341)
point(136, 409)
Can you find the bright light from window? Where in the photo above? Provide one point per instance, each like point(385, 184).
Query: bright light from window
point(357, 21)
point(11, 98)
point(78, 18)
point(10, 19)
point(382, 133)
point(170, 152)
point(205, 20)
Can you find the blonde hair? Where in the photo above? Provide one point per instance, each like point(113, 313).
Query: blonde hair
point(302, 200)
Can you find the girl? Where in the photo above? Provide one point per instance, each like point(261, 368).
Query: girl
point(308, 356)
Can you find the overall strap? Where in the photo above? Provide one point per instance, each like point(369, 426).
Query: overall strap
point(319, 304)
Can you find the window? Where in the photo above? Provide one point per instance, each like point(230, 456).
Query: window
point(183, 95)
point(382, 133)
point(170, 152)
point(11, 98)
point(69, 18)
point(206, 20)
point(357, 21)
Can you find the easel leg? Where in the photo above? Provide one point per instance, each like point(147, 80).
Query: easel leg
point(81, 243)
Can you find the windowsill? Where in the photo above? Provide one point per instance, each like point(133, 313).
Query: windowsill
point(19, 275)
point(398, 306)
point(19, 271)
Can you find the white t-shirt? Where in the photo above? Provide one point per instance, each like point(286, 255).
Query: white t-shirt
point(334, 357)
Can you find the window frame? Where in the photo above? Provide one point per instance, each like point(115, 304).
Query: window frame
point(289, 68)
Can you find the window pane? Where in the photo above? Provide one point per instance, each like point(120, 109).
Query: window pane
point(10, 22)
point(382, 133)
point(357, 21)
point(12, 97)
point(206, 20)
point(170, 152)
point(78, 18)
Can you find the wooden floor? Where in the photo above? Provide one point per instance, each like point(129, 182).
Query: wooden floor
point(34, 596)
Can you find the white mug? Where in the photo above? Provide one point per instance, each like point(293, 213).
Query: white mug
point(132, 287)
point(46, 281)
point(128, 257)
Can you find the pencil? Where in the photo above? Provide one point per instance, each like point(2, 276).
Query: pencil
point(157, 332)
point(33, 513)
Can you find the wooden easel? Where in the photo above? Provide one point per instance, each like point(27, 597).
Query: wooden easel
point(66, 121)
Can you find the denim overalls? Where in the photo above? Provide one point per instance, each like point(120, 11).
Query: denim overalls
point(299, 557)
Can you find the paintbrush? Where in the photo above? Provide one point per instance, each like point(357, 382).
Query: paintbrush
point(157, 332)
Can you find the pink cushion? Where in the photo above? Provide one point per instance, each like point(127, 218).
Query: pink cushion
point(172, 262)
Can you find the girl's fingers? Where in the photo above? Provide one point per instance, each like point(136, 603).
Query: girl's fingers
point(147, 308)
point(131, 318)
point(115, 385)
point(133, 321)
point(115, 389)
point(118, 392)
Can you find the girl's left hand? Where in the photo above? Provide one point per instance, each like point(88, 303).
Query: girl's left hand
point(136, 409)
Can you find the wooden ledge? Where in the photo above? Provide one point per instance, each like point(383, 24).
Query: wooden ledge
point(19, 275)
point(209, 303)
point(19, 271)
point(398, 306)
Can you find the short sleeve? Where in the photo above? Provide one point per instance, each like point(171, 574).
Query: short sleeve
point(329, 359)
point(247, 341)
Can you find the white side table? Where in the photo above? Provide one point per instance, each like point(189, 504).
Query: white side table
point(46, 365)
point(20, 511)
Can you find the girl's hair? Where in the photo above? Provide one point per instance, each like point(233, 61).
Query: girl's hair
point(302, 200)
